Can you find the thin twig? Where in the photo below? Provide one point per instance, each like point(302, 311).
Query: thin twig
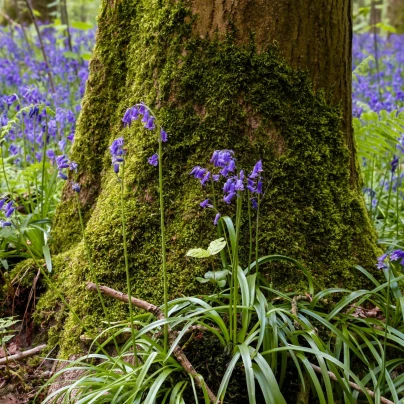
point(353, 385)
point(42, 46)
point(22, 355)
point(151, 308)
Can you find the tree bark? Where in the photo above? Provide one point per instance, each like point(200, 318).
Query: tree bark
point(270, 80)
point(395, 13)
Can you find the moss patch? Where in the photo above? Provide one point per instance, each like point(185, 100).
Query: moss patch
point(208, 95)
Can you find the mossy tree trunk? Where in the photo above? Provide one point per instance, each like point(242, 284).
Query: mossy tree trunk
point(395, 13)
point(270, 80)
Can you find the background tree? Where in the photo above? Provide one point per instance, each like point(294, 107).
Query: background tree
point(270, 80)
point(17, 10)
point(395, 13)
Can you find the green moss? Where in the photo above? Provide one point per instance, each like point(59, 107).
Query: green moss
point(208, 95)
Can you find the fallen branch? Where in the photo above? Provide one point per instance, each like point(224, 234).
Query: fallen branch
point(353, 385)
point(151, 308)
point(22, 355)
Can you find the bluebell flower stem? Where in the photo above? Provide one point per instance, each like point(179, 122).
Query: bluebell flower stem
point(388, 204)
point(24, 140)
point(45, 141)
point(371, 187)
point(125, 251)
point(93, 274)
point(250, 230)
point(4, 169)
point(397, 201)
point(383, 367)
point(219, 227)
point(256, 235)
point(235, 266)
point(163, 238)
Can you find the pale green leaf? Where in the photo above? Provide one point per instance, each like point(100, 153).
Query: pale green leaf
point(216, 246)
point(198, 253)
point(81, 25)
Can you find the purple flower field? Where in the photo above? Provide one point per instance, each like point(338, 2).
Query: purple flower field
point(383, 89)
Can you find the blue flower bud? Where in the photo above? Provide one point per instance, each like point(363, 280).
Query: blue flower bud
point(216, 220)
point(9, 212)
point(75, 187)
point(163, 135)
point(205, 204)
point(62, 175)
point(229, 197)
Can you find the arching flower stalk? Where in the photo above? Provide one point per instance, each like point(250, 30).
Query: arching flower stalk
point(151, 123)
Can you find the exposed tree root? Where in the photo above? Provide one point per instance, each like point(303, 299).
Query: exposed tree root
point(22, 355)
point(353, 385)
point(151, 308)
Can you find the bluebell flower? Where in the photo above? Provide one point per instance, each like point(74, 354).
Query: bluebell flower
point(394, 163)
point(163, 135)
point(259, 187)
point(142, 108)
point(250, 185)
point(205, 178)
point(381, 262)
point(254, 203)
point(62, 175)
point(127, 118)
point(216, 177)
point(224, 171)
point(71, 137)
point(2, 202)
point(10, 99)
point(33, 111)
point(9, 209)
point(13, 149)
point(229, 197)
point(221, 158)
point(150, 124)
point(153, 160)
point(73, 166)
point(198, 172)
point(145, 118)
point(117, 152)
point(205, 204)
point(227, 187)
point(62, 144)
point(75, 187)
point(216, 220)
point(239, 186)
point(5, 223)
point(135, 113)
point(257, 169)
point(62, 162)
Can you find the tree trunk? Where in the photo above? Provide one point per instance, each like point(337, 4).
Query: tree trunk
point(395, 12)
point(270, 80)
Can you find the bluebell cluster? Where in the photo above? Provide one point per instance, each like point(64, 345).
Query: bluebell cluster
point(24, 82)
point(63, 163)
point(235, 182)
point(394, 256)
point(6, 209)
point(383, 89)
point(141, 110)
